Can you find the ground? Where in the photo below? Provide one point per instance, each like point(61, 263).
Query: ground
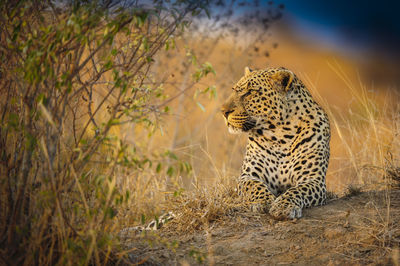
point(359, 229)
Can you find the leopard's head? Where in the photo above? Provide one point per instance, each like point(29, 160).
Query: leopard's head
point(258, 97)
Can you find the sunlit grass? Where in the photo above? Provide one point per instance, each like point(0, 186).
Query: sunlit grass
point(363, 134)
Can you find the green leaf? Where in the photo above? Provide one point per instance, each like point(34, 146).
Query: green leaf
point(13, 120)
point(208, 68)
point(213, 92)
point(201, 106)
point(110, 213)
point(170, 171)
point(31, 142)
point(178, 192)
point(145, 44)
point(108, 65)
point(158, 168)
point(167, 45)
point(196, 94)
point(113, 122)
point(172, 155)
point(127, 195)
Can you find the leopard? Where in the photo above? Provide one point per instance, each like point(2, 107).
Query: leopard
point(287, 152)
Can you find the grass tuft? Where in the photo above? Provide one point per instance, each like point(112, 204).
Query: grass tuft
point(330, 195)
point(392, 171)
point(353, 190)
point(198, 209)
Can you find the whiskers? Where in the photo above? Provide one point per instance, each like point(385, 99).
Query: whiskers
point(248, 124)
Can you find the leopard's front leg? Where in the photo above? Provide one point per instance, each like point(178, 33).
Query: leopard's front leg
point(256, 194)
point(290, 204)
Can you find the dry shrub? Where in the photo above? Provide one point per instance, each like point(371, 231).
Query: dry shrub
point(72, 74)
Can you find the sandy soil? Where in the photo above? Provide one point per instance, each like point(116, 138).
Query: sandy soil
point(362, 229)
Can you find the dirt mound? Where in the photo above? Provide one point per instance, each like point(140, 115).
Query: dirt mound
point(361, 229)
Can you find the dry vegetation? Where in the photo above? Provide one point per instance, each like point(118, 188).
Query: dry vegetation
point(185, 161)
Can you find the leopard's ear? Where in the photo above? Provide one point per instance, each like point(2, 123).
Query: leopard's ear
point(283, 79)
point(247, 71)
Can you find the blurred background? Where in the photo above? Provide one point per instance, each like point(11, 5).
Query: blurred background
point(368, 34)
point(346, 52)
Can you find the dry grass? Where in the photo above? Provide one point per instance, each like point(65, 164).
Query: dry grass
point(202, 207)
point(362, 134)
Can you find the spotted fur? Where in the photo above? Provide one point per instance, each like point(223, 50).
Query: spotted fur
point(287, 153)
point(154, 224)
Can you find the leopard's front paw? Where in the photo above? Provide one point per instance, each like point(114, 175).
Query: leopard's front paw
point(282, 210)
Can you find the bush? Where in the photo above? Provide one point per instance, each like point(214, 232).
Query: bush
point(71, 71)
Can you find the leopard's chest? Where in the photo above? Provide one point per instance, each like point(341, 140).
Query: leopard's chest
point(269, 163)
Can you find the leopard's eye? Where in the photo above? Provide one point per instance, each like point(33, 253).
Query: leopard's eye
point(247, 93)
